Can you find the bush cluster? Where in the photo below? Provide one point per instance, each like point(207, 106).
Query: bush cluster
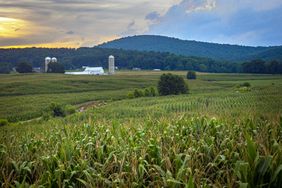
point(3, 122)
point(147, 92)
point(58, 110)
point(243, 87)
point(245, 84)
point(191, 75)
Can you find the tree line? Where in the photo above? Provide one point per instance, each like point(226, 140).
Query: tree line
point(263, 67)
point(126, 59)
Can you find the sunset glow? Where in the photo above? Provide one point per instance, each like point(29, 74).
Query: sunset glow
point(10, 27)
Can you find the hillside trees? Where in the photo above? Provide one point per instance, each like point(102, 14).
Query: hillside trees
point(170, 84)
point(125, 59)
point(262, 67)
point(5, 68)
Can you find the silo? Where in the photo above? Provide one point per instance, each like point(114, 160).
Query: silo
point(47, 61)
point(111, 64)
point(54, 60)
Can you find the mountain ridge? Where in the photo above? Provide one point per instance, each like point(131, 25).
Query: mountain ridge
point(226, 52)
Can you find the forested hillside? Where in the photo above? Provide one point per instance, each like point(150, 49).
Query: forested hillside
point(76, 58)
point(225, 52)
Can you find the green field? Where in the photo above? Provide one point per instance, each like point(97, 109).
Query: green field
point(218, 135)
point(24, 97)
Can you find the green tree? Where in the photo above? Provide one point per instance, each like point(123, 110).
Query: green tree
point(24, 67)
point(56, 68)
point(170, 84)
point(191, 75)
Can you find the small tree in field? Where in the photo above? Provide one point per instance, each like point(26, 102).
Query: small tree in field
point(170, 84)
point(24, 67)
point(191, 75)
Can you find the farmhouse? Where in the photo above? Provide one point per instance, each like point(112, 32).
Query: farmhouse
point(89, 71)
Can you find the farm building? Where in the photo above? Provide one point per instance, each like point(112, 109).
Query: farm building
point(97, 70)
point(89, 71)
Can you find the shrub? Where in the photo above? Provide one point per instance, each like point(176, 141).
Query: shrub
point(191, 75)
point(147, 92)
point(24, 67)
point(57, 110)
point(3, 122)
point(170, 84)
point(46, 116)
point(138, 93)
point(130, 95)
point(153, 92)
point(69, 109)
point(245, 84)
point(244, 89)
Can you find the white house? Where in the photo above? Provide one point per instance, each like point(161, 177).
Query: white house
point(89, 71)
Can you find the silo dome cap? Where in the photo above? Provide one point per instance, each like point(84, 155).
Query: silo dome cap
point(111, 56)
point(54, 59)
point(47, 58)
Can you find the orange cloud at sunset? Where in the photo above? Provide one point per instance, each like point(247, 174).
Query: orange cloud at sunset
point(10, 27)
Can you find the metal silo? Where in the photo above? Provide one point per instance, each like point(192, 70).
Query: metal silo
point(47, 61)
point(111, 64)
point(54, 60)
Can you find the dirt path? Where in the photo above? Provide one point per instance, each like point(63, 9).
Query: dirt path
point(91, 104)
point(80, 108)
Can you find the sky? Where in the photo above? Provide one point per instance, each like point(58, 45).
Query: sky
point(77, 23)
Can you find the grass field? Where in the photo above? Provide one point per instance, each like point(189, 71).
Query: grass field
point(218, 135)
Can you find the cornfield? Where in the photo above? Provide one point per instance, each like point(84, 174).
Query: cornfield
point(198, 151)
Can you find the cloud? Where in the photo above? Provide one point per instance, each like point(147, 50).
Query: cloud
point(152, 16)
point(94, 20)
point(70, 32)
point(199, 5)
point(246, 22)
point(89, 22)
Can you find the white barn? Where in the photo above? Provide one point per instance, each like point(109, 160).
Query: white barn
point(89, 71)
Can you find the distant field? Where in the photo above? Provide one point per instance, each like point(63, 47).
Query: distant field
point(25, 97)
point(218, 135)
